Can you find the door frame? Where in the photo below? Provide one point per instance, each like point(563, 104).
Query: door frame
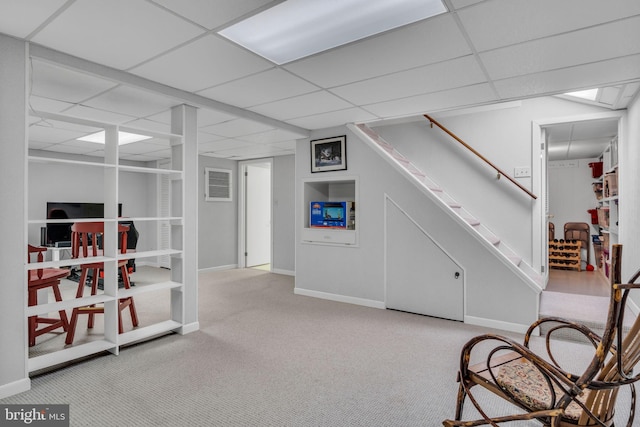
point(540, 227)
point(242, 206)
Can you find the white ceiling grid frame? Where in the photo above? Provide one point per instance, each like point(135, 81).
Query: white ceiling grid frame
point(566, 79)
point(267, 86)
point(576, 48)
point(426, 42)
point(114, 24)
point(59, 83)
point(212, 60)
point(463, 71)
point(530, 20)
point(212, 14)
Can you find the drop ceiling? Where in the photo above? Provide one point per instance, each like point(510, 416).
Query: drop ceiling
point(478, 53)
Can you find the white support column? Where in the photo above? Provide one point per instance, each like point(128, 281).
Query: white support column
point(184, 121)
point(13, 196)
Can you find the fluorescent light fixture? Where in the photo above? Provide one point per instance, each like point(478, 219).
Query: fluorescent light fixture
point(589, 94)
point(295, 29)
point(123, 137)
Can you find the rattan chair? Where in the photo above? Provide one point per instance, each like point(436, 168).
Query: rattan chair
point(541, 388)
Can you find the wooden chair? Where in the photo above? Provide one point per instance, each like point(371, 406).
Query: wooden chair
point(541, 388)
point(85, 242)
point(43, 278)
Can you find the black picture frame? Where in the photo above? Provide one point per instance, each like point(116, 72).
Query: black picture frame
point(329, 154)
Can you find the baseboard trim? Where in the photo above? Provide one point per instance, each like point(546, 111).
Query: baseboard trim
point(187, 329)
point(283, 272)
point(496, 324)
point(340, 298)
point(15, 387)
point(218, 268)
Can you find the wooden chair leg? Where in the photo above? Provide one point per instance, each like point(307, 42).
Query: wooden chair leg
point(72, 326)
point(63, 314)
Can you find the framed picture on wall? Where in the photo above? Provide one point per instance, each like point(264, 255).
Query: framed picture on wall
point(329, 154)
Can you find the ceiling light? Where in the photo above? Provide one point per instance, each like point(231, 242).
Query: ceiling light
point(589, 94)
point(298, 28)
point(123, 137)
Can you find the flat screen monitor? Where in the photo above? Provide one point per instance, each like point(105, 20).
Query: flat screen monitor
point(60, 232)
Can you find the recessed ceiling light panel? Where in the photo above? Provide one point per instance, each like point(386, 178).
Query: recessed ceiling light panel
point(295, 29)
point(123, 137)
point(590, 94)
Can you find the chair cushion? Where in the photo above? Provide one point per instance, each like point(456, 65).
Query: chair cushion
point(521, 378)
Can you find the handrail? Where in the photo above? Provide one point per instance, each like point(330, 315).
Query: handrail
point(500, 172)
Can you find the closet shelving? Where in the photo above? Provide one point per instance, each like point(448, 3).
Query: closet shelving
point(607, 204)
point(111, 169)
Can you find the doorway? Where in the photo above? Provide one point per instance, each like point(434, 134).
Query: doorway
point(255, 245)
point(567, 146)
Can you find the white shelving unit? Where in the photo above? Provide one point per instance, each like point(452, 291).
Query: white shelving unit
point(329, 190)
point(608, 204)
point(111, 170)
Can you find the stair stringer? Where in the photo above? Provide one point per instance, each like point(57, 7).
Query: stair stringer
point(449, 205)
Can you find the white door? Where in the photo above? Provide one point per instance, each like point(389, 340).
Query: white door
point(258, 214)
point(420, 277)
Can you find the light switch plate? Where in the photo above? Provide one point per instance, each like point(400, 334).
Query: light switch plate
point(522, 172)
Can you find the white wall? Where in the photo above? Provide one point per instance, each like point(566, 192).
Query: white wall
point(217, 221)
point(13, 140)
point(84, 184)
point(358, 273)
point(629, 193)
point(503, 136)
point(283, 220)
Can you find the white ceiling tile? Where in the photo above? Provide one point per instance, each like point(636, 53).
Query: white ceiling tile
point(237, 127)
point(212, 14)
point(19, 18)
point(99, 31)
point(78, 147)
point(63, 84)
point(459, 4)
point(498, 23)
point(152, 125)
point(38, 103)
point(204, 138)
point(224, 144)
point(268, 86)
point(431, 78)
point(249, 151)
point(285, 145)
point(578, 47)
point(131, 101)
point(45, 132)
point(334, 118)
point(303, 105)
point(270, 136)
point(599, 74)
point(211, 61)
point(448, 99)
point(98, 115)
point(426, 42)
point(141, 147)
point(211, 117)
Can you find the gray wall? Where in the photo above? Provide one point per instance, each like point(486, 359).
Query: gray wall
point(284, 184)
point(358, 273)
point(503, 136)
point(217, 221)
point(13, 140)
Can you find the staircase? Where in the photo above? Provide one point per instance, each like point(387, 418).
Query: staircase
point(455, 209)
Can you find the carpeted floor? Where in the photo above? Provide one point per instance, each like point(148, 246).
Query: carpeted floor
point(267, 357)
